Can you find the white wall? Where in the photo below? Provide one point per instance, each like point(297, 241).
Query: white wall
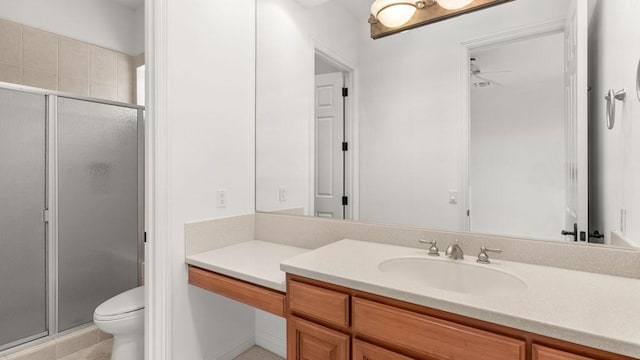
point(410, 132)
point(100, 22)
point(211, 127)
point(517, 159)
point(614, 48)
point(271, 333)
point(138, 30)
point(287, 36)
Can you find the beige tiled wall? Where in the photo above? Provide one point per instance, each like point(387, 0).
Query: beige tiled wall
point(46, 60)
point(39, 58)
point(10, 52)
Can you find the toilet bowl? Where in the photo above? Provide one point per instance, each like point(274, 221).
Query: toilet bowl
point(123, 317)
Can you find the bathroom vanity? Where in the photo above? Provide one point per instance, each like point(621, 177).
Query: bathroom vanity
point(340, 304)
point(363, 300)
point(325, 321)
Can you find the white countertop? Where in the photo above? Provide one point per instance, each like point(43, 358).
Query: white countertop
point(595, 310)
point(254, 261)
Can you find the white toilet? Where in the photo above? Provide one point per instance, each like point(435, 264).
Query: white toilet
point(123, 317)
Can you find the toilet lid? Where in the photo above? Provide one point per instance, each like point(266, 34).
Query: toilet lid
point(126, 302)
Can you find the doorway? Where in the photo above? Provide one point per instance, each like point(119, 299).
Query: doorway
point(331, 188)
point(528, 181)
point(517, 137)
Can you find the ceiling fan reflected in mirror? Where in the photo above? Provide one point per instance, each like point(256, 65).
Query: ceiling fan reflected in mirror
point(479, 78)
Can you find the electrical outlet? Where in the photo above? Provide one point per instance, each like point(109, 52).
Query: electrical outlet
point(221, 198)
point(453, 197)
point(282, 193)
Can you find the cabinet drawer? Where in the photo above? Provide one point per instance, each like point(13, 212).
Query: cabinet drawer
point(324, 305)
point(309, 341)
point(366, 351)
point(431, 337)
point(256, 296)
point(544, 353)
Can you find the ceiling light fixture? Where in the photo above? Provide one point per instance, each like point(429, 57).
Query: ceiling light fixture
point(394, 16)
point(395, 13)
point(454, 4)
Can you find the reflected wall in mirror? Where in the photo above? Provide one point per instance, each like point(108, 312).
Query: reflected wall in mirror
point(479, 123)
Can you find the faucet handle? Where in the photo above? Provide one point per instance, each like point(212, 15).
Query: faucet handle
point(433, 250)
point(483, 256)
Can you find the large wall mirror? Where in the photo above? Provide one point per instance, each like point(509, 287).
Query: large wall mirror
point(492, 122)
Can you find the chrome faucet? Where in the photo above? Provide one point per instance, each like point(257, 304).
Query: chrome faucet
point(454, 251)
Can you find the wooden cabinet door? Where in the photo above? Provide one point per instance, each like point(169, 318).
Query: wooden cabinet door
point(309, 341)
point(365, 351)
point(545, 353)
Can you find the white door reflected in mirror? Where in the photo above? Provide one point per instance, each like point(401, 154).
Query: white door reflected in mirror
point(329, 136)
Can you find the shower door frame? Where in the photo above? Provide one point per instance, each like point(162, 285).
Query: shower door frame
point(50, 214)
point(7, 348)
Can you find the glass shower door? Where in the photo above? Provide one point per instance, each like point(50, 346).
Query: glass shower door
point(98, 206)
point(23, 274)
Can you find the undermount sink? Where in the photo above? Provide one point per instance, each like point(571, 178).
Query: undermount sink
point(453, 275)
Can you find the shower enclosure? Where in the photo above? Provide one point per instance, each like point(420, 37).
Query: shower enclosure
point(71, 209)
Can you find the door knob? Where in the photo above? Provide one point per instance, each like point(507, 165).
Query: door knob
point(611, 98)
point(573, 233)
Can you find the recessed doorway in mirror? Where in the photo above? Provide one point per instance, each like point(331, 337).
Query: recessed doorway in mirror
point(331, 180)
point(499, 145)
point(517, 134)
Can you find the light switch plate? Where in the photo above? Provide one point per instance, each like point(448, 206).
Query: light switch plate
point(282, 193)
point(453, 196)
point(221, 198)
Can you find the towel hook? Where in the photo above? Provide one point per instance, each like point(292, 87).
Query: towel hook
point(611, 98)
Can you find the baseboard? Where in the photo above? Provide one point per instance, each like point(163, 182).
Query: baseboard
point(272, 343)
point(238, 349)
